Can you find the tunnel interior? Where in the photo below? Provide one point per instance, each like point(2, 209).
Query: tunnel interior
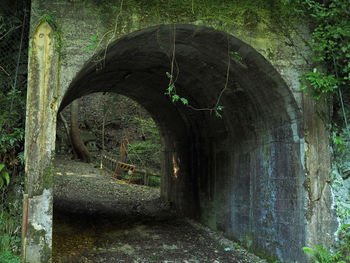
point(241, 173)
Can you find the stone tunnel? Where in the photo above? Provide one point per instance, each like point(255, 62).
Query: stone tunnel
point(227, 171)
point(246, 173)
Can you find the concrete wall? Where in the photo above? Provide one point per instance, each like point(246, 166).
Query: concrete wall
point(260, 173)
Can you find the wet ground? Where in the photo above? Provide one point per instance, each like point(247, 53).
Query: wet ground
point(98, 219)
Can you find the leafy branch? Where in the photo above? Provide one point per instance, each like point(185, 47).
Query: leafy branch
point(331, 49)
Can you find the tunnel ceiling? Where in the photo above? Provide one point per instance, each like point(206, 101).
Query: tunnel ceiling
point(256, 97)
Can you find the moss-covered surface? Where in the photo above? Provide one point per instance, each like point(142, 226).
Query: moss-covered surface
point(208, 215)
point(226, 14)
point(48, 177)
point(240, 18)
point(36, 239)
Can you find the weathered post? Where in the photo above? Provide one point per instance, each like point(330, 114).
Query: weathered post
point(42, 95)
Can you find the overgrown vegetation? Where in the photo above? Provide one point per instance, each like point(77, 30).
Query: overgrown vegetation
point(225, 14)
point(13, 61)
point(108, 120)
point(146, 153)
point(144, 147)
point(329, 81)
point(341, 252)
point(330, 45)
point(49, 17)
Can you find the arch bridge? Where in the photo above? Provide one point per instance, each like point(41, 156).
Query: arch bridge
point(259, 173)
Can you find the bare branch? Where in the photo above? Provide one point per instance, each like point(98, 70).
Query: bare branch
point(3, 70)
point(10, 30)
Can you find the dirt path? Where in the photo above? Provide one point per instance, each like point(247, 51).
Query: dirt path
point(98, 219)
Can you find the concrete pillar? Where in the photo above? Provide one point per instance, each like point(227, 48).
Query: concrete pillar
point(320, 207)
point(42, 95)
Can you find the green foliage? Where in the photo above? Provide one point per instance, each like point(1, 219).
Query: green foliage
point(146, 153)
point(343, 212)
point(331, 52)
point(343, 244)
point(321, 255)
point(10, 234)
point(49, 17)
point(8, 257)
point(218, 111)
point(342, 248)
point(11, 131)
point(171, 91)
point(4, 176)
point(12, 114)
point(236, 245)
point(330, 46)
point(318, 84)
point(339, 143)
point(236, 56)
point(93, 43)
point(184, 101)
point(8, 245)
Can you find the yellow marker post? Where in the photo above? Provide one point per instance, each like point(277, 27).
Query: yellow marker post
point(42, 94)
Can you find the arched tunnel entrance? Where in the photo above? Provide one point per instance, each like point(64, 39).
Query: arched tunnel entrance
point(241, 174)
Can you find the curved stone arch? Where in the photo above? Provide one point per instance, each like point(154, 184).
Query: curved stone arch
point(241, 174)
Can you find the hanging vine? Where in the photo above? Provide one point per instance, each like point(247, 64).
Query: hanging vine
point(171, 89)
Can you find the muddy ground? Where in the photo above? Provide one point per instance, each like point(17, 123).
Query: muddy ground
point(99, 219)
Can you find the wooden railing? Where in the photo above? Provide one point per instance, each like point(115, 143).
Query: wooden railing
point(110, 163)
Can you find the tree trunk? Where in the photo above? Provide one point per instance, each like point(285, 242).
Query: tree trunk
point(103, 139)
point(66, 127)
point(104, 107)
point(77, 143)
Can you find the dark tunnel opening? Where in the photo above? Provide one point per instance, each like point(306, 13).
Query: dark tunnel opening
point(240, 174)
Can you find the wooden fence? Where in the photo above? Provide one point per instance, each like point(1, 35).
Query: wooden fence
point(110, 163)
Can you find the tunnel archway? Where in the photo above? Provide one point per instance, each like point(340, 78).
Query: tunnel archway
point(241, 174)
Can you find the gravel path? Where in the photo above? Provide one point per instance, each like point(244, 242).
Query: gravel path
point(99, 219)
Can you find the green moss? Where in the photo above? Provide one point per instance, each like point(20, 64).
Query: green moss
point(208, 216)
point(37, 238)
point(248, 242)
point(223, 15)
point(258, 17)
point(48, 177)
point(36, 235)
point(265, 255)
point(49, 17)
